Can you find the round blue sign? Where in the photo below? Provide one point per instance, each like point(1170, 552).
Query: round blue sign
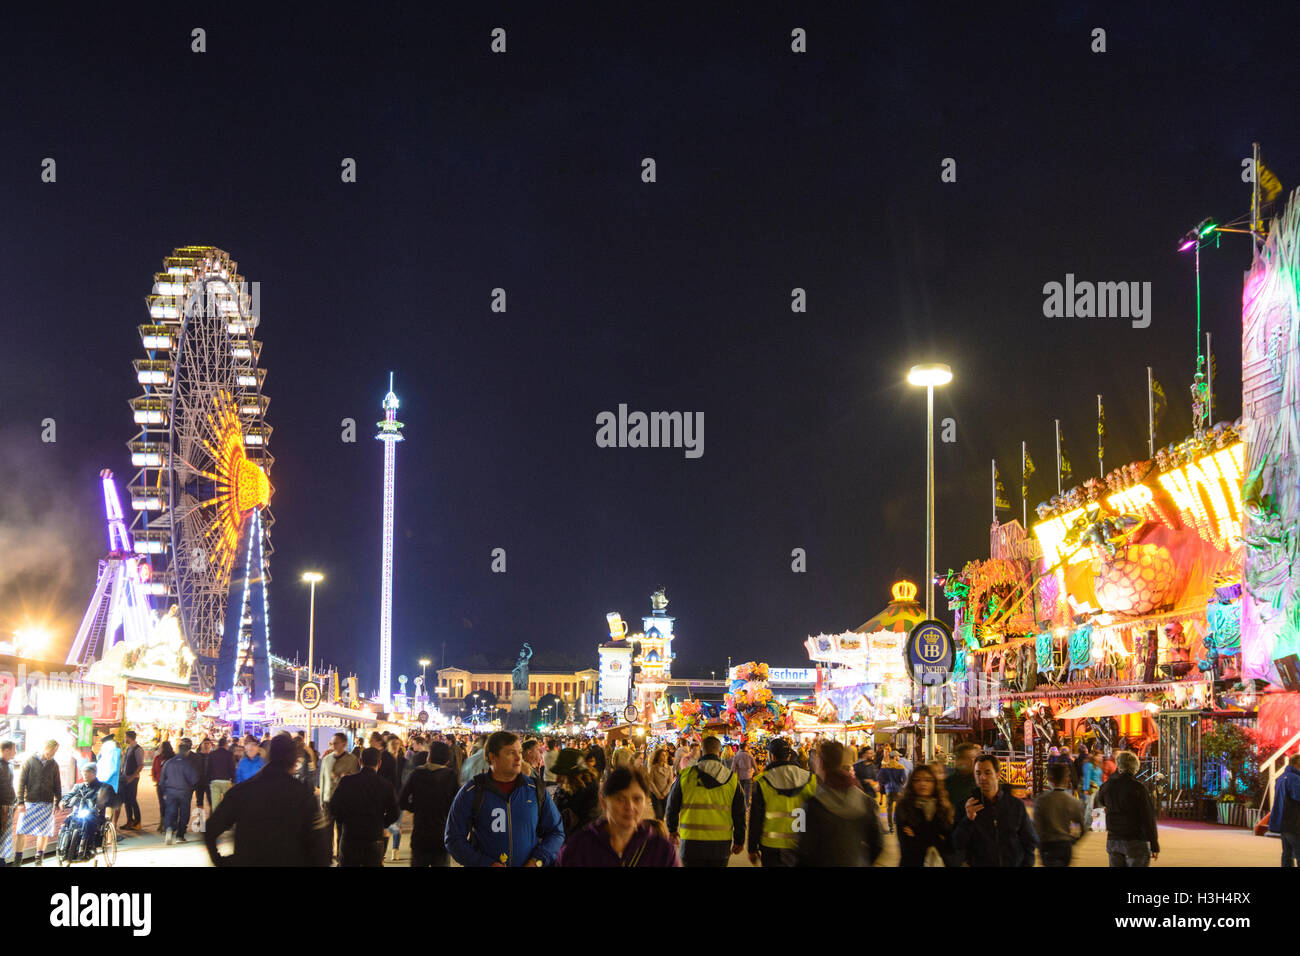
point(931, 654)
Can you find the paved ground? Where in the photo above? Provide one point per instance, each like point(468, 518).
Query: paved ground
point(1182, 843)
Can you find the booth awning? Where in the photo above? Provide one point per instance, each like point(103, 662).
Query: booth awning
point(1108, 706)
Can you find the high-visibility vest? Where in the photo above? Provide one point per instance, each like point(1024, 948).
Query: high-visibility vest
point(706, 811)
point(779, 814)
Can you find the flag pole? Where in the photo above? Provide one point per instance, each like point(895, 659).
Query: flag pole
point(1209, 382)
point(1151, 418)
point(1256, 226)
point(1024, 502)
point(1101, 465)
point(993, 478)
point(1058, 456)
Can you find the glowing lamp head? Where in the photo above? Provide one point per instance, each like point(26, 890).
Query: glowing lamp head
point(252, 489)
point(30, 641)
point(929, 375)
point(904, 591)
point(313, 577)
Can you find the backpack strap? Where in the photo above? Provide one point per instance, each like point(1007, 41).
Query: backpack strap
point(479, 796)
point(542, 795)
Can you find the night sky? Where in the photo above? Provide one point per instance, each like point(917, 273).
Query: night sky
point(775, 170)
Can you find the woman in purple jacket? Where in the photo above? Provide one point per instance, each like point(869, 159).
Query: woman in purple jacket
point(622, 836)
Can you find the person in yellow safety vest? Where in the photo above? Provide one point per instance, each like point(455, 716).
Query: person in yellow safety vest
point(706, 810)
point(776, 813)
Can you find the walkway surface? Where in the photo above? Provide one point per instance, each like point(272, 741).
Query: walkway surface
point(1182, 843)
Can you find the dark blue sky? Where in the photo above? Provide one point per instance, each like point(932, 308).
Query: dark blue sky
point(522, 171)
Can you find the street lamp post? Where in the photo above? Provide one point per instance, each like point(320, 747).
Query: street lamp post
point(424, 678)
point(313, 578)
point(929, 376)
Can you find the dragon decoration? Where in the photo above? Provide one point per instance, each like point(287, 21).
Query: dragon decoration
point(989, 596)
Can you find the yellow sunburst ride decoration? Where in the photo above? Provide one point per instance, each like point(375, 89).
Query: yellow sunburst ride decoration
point(241, 486)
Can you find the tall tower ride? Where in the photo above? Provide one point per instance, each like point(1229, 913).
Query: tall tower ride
point(390, 435)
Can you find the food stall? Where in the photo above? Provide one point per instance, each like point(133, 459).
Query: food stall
point(152, 674)
point(328, 720)
point(40, 702)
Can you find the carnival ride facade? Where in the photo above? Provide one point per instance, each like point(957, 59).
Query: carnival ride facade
point(862, 674)
point(1270, 382)
point(201, 489)
point(1170, 582)
point(1131, 584)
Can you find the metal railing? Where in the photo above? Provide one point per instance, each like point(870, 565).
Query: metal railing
point(1276, 764)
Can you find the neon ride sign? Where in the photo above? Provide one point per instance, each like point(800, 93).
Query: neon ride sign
point(1203, 495)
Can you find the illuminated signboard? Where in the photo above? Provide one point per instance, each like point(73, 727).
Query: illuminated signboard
point(615, 669)
point(786, 675)
point(1206, 494)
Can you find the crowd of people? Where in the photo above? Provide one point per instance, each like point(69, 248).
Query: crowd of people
point(503, 800)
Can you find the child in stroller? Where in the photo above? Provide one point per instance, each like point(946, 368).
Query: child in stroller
point(83, 830)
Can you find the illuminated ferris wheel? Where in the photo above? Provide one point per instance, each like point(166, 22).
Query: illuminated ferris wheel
point(201, 490)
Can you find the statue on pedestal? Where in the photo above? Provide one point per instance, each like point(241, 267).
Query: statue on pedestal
point(519, 678)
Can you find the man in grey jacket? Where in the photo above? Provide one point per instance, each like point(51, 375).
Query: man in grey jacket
point(1056, 815)
point(336, 765)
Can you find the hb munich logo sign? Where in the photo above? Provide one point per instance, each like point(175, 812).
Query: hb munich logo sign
point(930, 653)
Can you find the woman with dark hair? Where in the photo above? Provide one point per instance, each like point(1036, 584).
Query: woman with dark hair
point(577, 796)
point(924, 818)
point(395, 778)
point(661, 782)
point(621, 836)
point(165, 753)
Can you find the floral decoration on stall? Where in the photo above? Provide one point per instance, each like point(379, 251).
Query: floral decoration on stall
point(688, 716)
point(750, 706)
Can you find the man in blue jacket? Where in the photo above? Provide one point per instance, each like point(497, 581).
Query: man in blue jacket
point(504, 817)
point(995, 829)
point(251, 762)
point(1284, 818)
point(176, 783)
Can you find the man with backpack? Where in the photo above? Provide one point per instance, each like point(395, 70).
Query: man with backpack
point(504, 817)
point(428, 793)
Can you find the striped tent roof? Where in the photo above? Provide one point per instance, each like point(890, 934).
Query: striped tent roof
point(899, 616)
